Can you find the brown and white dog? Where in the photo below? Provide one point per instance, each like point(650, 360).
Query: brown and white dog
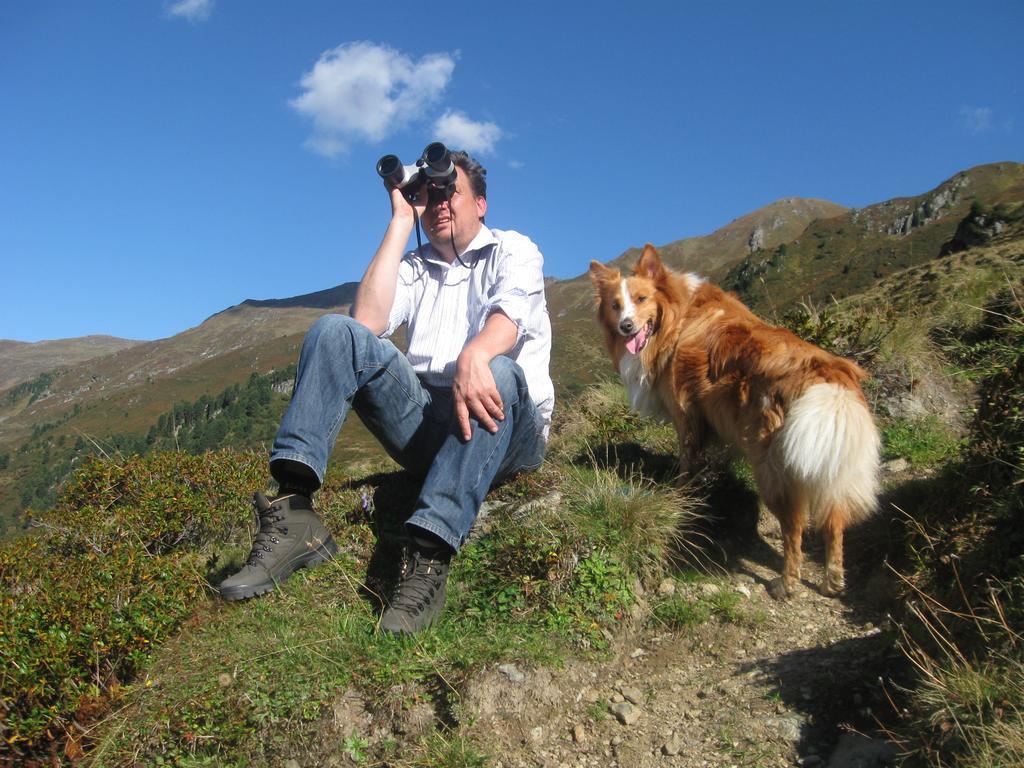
point(694, 355)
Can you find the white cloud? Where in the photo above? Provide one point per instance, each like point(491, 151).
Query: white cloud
point(457, 130)
point(977, 119)
point(193, 10)
point(367, 91)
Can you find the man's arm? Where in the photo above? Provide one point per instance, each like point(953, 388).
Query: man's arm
point(376, 293)
point(475, 391)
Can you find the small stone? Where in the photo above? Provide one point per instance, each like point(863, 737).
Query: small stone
point(742, 589)
point(673, 746)
point(896, 465)
point(618, 698)
point(710, 590)
point(537, 733)
point(788, 728)
point(633, 695)
point(225, 679)
point(637, 653)
point(579, 735)
point(511, 672)
point(292, 764)
point(667, 588)
point(625, 712)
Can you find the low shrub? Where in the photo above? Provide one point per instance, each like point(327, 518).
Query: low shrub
point(161, 502)
point(115, 568)
point(855, 332)
point(75, 626)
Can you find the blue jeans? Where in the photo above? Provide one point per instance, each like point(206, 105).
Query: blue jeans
point(344, 366)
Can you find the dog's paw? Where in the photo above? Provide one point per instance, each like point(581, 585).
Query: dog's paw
point(833, 585)
point(779, 590)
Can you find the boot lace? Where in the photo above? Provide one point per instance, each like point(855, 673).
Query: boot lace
point(269, 528)
point(419, 585)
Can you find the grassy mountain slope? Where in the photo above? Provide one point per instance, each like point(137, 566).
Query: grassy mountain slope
point(844, 255)
point(23, 361)
point(125, 391)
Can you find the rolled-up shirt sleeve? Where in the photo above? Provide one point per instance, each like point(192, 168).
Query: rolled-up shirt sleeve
point(519, 288)
point(403, 298)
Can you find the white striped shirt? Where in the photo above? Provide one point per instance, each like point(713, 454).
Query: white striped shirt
point(446, 305)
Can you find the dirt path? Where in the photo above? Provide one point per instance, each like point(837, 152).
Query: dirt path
point(778, 684)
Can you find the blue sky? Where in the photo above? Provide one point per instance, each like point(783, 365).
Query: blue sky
point(160, 161)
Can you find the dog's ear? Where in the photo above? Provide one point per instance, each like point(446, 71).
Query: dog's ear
point(650, 264)
point(599, 272)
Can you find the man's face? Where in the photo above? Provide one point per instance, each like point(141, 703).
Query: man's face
point(462, 214)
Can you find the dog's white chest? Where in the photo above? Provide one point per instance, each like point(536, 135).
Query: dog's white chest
point(642, 397)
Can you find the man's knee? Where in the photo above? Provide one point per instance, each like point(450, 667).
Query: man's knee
point(508, 378)
point(334, 329)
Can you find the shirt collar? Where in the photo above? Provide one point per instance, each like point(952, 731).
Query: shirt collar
point(484, 238)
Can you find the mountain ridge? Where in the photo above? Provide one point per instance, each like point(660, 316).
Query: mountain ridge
point(329, 298)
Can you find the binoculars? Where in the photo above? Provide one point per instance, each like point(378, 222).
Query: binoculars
point(434, 168)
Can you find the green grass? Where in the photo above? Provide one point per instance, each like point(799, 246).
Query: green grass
point(259, 681)
point(926, 442)
point(684, 610)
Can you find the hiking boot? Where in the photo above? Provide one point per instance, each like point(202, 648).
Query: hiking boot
point(419, 599)
point(291, 536)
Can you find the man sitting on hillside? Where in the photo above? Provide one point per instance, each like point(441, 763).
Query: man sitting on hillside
point(469, 403)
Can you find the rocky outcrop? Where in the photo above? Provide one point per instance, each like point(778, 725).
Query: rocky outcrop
point(930, 208)
point(756, 240)
point(985, 226)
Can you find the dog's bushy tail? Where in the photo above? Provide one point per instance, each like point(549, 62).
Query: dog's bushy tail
point(831, 446)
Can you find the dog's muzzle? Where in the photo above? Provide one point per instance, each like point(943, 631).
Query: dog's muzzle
point(636, 340)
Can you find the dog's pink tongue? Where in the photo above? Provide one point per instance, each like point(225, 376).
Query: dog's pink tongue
point(635, 344)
